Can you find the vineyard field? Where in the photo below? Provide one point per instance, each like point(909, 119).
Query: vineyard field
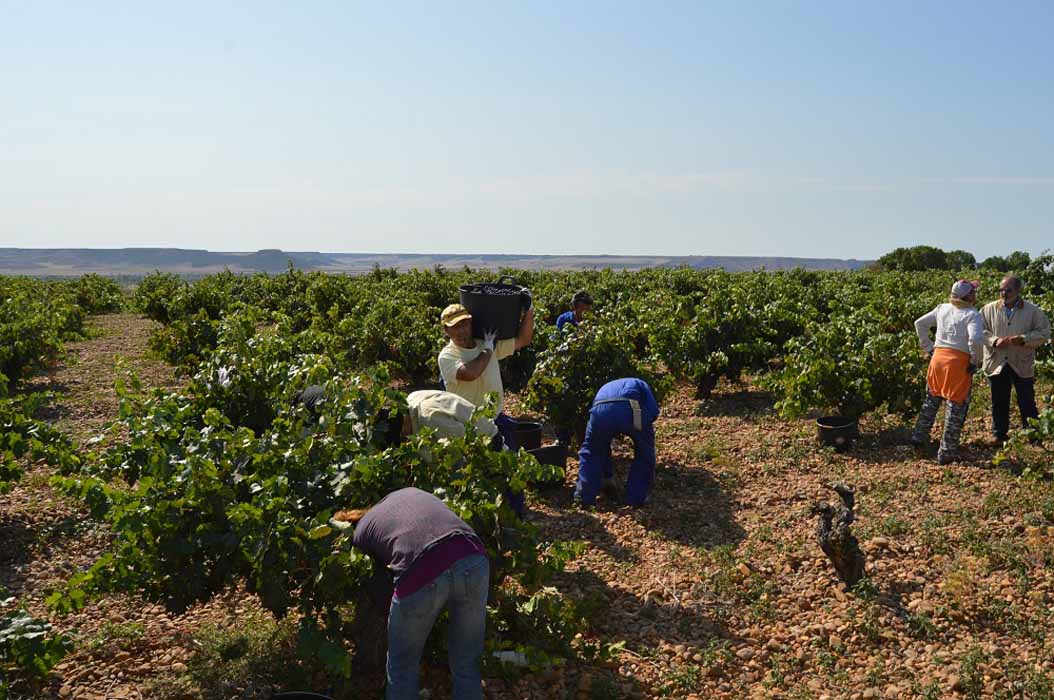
point(165, 506)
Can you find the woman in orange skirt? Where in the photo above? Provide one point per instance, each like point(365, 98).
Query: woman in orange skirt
point(955, 354)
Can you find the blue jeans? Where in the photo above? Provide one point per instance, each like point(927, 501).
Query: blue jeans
point(463, 589)
point(606, 421)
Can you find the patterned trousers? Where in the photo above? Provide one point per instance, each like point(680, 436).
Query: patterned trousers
point(954, 420)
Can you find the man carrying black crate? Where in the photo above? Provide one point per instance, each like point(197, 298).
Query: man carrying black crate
point(469, 366)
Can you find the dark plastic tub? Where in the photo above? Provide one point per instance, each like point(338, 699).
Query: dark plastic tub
point(299, 695)
point(528, 435)
point(838, 432)
point(556, 455)
point(494, 306)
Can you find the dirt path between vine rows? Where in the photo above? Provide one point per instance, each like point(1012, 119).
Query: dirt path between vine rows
point(122, 645)
point(45, 537)
point(715, 589)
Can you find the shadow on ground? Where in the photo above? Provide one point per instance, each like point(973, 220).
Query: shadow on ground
point(890, 445)
point(673, 617)
point(18, 540)
point(689, 506)
point(571, 524)
point(745, 402)
point(26, 539)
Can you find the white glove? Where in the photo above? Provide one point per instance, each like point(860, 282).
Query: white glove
point(488, 340)
point(223, 376)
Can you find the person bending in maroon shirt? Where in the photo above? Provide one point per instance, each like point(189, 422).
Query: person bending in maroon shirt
point(438, 562)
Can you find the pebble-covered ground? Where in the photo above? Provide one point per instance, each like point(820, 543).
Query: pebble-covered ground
point(715, 589)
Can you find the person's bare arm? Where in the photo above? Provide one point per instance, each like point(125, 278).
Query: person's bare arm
point(471, 370)
point(526, 333)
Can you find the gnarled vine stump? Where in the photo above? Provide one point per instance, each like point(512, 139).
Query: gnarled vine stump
point(836, 540)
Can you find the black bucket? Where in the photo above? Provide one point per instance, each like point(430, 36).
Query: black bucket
point(299, 695)
point(555, 455)
point(838, 432)
point(528, 435)
point(494, 306)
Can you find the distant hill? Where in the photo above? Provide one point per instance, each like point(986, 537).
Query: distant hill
point(65, 262)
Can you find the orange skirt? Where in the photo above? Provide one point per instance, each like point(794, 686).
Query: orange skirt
point(949, 375)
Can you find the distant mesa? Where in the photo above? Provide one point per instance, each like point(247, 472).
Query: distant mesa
point(67, 262)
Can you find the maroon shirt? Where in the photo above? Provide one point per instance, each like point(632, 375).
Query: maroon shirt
point(414, 534)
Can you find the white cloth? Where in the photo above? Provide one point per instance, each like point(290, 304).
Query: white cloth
point(958, 327)
point(452, 358)
point(446, 412)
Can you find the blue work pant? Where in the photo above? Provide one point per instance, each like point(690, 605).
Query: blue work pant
point(606, 421)
point(463, 589)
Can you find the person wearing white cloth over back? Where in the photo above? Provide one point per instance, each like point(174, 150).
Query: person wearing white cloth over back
point(446, 413)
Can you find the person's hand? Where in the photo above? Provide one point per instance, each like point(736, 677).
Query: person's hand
point(999, 342)
point(1017, 340)
point(526, 299)
point(488, 339)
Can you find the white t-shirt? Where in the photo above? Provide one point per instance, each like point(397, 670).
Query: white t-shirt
point(448, 413)
point(452, 358)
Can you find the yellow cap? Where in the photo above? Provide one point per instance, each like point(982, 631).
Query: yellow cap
point(454, 314)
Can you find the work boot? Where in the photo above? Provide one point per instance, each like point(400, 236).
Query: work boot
point(947, 457)
point(610, 489)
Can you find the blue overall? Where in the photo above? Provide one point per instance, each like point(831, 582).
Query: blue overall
point(565, 318)
point(611, 415)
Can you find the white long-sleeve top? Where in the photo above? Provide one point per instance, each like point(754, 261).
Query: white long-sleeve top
point(958, 328)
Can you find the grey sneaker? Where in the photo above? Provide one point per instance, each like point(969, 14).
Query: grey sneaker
point(947, 457)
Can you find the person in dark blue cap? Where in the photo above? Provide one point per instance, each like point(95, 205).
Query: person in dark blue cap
point(621, 407)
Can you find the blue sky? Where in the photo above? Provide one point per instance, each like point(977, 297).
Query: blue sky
point(699, 128)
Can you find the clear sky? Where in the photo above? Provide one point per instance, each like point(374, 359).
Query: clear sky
point(829, 129)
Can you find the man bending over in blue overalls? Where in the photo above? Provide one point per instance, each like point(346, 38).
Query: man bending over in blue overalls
point(621, 407)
